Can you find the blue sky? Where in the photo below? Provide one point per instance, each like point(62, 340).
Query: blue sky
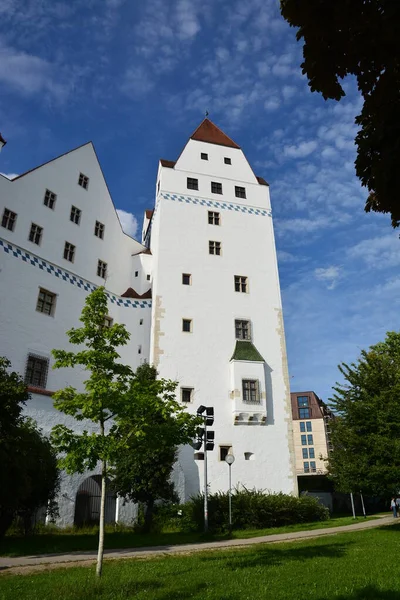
point(136, 79)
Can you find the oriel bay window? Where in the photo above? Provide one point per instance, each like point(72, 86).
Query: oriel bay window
point(251, 393)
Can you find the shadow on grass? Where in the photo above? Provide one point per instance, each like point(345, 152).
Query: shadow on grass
point(273, 555)
point(370, 592)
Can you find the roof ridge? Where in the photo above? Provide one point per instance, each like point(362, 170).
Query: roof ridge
point(208, 132)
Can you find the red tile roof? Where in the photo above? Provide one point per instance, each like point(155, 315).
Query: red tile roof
point(167, 163)
point(208, 132)
point(262, 181)
point(149, 213)
point(131, 293)
point(2, 140)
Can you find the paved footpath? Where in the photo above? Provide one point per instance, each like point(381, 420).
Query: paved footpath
point(29, 564)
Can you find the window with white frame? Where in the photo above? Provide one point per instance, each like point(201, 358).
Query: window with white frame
point(83, 181)
point(36, 370)
point(227, 160)
point(241, 284)
point(242, 329)
point(240, 192)
point(204, 156)
point(251, 392)
point(214, 248)
point(8, 220)
point(192, 184)
point(186, 394)
point(101, 269)
point(99, 230)
point(216, 188)
point(50, 199)
point(35, 234)
point(214, 218)
point(69, 252)
point(75, 215)
point(46, 302)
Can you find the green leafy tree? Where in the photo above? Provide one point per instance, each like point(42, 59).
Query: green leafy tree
point(29, 476)
point(359, 38)
point(103, 399)
point(366, 434)
point(152, 428)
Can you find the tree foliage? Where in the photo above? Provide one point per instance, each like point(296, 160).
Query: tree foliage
point(366, 434)
point(29, 476)
point(153, 428)
point(359, 38)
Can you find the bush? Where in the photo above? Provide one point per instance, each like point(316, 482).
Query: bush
point(252, 509)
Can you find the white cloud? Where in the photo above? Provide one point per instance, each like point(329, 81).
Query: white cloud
point(128, 221)
point(288, 91)
point(137, 82)
point(379, 252)
point(329, 275)
point(272, 104)
point(300, 150)
point(187, 23)
point(9, 175)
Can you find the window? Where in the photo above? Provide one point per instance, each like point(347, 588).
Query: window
point(186, 279)
point(313, 467)
point(227, 160)
point(108, 322)
point(213, 218)
point(216, 188)
point(309, 426)
point(249, 456)
point(69, 252)
point(224, 451)
point(36, 371)
point(139, 350)
point(240, 284)
point(99, 230)
point(35, 234)
point(302, 427)
point(101, 269)
point(46, 302)
point(305, 453)
point(302, 401)
point(8, 220)
point(186, 394)
point(242, 329)
point(187, 325)
point(75, 215)
point(304, 413)
point(141, 322)
point(83, 181)
point(214, 248)
point(158, 186)
point(136, 273)
point(251, 393)
point(311, 453)
point(310, 440)
point(148, 277)
point(50, 199)
point(304, 440)
point(306, 466)
point(204, 156)
point(192, 184)
point(240, 192)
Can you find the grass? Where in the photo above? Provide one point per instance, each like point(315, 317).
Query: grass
point(69, 540)
point(351, 566)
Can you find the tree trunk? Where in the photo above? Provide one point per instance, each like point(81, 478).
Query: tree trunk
point(99, 566)
point(148, 516)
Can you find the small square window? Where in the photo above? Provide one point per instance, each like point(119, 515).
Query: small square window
point(69, 252)
point(306, 466)
point(148, 277)
point(36, 371)
point(75, 215)
point(101, 269)
point(242, 329)
point(99, 230)
point(305, 453)
point(251, 392)
point(49, 199)
point(204, 156)
point(311, 453)
point(241, 284)
point(310, 440)
point(214, 248)
point(192, 184)
point(302, 427)
point(213, 218)
point(309, 426)
point(216, 188)
point(83, 181)
point(8, 220)
point(108, 322)
point(187, 325)
point(35, 234)
point(46, 302)
point(186, 279)
point(304, 440)
point(227, 160)
point(224, 451)
point(186, 394)
point(240, 192)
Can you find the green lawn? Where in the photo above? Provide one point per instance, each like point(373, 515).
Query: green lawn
point(352, 566)
point(67, 541)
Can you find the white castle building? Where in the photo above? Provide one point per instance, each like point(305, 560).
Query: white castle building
point(199, 295)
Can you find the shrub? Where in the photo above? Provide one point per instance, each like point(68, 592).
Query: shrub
point(253, 509)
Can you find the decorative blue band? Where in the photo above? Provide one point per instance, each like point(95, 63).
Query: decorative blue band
point(67, 276)
point(215, 204)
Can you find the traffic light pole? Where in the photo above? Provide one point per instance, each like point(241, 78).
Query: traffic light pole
point(205, 479)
